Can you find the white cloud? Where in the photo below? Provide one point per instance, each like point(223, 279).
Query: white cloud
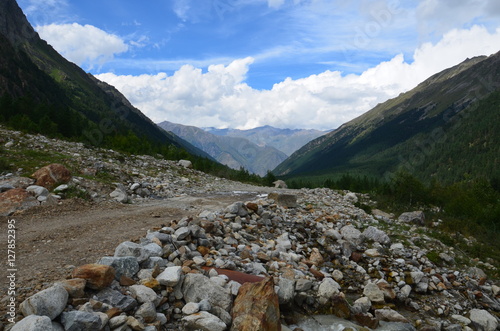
point(85, 45)
point(220, 97)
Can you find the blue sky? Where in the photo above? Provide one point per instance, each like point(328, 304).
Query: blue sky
point(247, 63)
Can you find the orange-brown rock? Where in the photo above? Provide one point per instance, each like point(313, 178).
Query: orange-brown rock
point(237, 276)
point(126, 281)
point(52, 175)
point(98, 276)
point(256, 308)
point(253, 206)
point(203, 250)
point(75, 287)
point(318, 274)
point(316, 258)
point(16, 199)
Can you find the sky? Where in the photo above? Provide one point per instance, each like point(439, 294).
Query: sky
point(308, 64)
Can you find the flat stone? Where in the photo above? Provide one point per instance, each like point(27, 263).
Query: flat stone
point(389, 315)
point(182, 233)
point(191, 308)
point(49, 302)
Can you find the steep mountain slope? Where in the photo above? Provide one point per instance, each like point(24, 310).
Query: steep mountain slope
point(234, 152)
point(40, 91)
point(285, 140)
point(444, 128)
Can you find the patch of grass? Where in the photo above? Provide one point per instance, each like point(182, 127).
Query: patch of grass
point(75, 192)
point(433, 256)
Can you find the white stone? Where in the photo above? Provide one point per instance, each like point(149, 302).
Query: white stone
point(191, 308)
point(170, 276)
point(328, 288)
point(38, 191)
point(374, 293)
point(143, 293)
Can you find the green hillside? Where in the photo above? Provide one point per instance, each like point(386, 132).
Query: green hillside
point(42, 92)
point(444, 129)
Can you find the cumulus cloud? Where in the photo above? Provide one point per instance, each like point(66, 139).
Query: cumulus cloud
point(84, 45)
point(220, 97)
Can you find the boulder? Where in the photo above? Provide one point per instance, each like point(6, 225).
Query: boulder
point(123, 265)
point(77, 320)
point(328, 288)
point(415, 217)
point(49, 302)
point(98, 276)
point(33, 323)
point(483, 320)
point(351, 234)
point(197, 287)
point(256, 307)
point(204, 321)
point(185, 163)
point(372, 233)
point(16, 199)
point(389, 315)
point(283, 199)
point(119, 194)
point(51, 176)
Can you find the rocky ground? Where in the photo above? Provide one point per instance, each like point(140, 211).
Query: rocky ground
point(173, 247)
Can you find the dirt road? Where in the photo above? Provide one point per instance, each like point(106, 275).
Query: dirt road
point(50, 241)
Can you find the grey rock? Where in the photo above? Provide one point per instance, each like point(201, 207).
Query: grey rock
point(33, 323)
point(351, 197)
point(302, 285)
point(372, 233)
point(49, 302)
point(182, 233)
point(77, 320)
point(374, 293)
point(483, 320)
point(205, 305)
point(61, 188)
point(170, 276)
point(328, 288)
point(351, 234)
point(197, 287)
point(116, 299)
point(6, 187)
point(119, 194)
point(116, 321)
point(204, 321)
point(415, 217)
point(143, 293)
point(146, 312)
point(129, 248)
point(124, 265)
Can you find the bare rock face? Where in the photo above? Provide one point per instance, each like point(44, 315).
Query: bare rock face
point(256, 307)
point(98, 276)
point(52, 175)
point(16, 199)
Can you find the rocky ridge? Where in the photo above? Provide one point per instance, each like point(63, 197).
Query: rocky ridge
point(322, 254)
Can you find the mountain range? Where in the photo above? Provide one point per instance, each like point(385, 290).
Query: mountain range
point(446, 129)
point(235, 152)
